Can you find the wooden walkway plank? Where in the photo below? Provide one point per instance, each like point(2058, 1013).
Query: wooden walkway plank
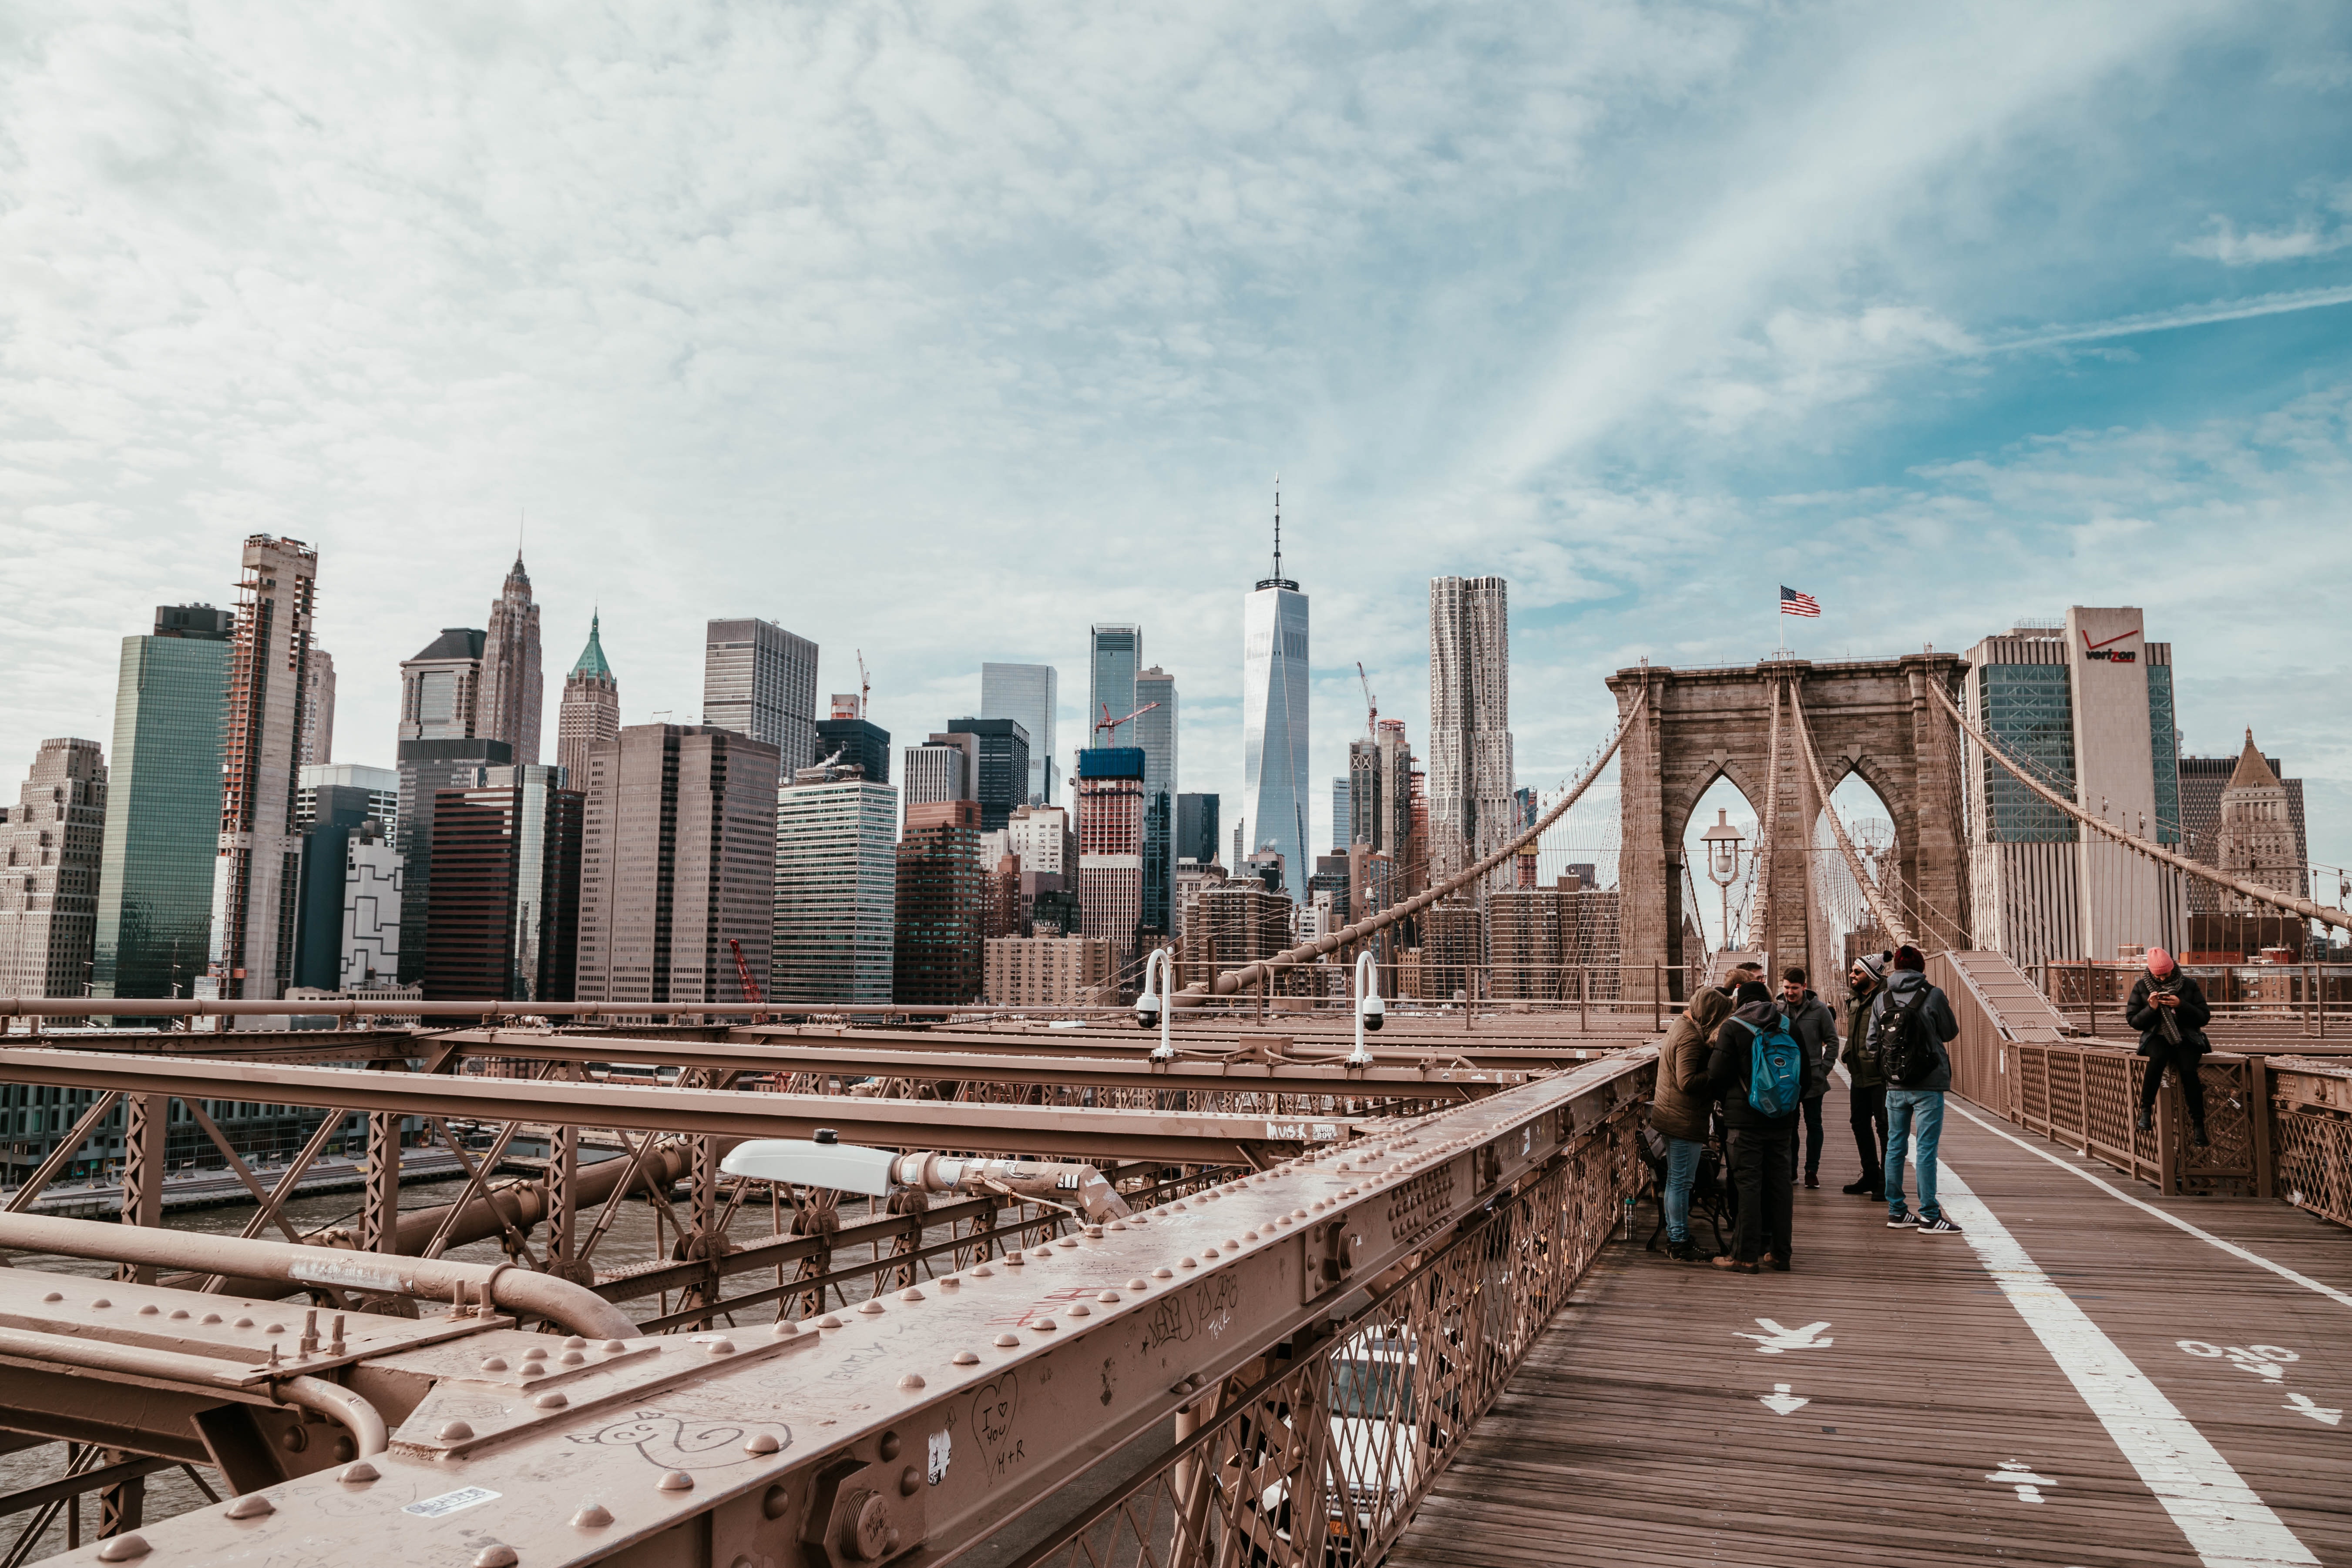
point(1636, 1433)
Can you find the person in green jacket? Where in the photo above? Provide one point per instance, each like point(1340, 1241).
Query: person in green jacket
point(1866, 1103)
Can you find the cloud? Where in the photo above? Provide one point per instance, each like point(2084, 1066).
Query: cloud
point(2227, 246)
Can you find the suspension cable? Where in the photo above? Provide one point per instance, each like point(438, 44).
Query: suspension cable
point(2287, 903)
point(1761, 901)
point(1233, 981)
point(1884, 913)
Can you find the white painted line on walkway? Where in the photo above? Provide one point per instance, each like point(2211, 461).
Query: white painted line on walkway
point(2228, 1526)
point(2231, 1248)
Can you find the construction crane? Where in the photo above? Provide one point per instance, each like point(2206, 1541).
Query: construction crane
point(1372, 703)
point(743, 978)
point(864, 686)
point(1111, 724)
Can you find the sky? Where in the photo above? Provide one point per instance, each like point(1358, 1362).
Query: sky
point(941, 332)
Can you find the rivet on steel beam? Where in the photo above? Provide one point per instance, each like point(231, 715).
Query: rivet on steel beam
point(59, 1295)
point(869, 1308)
point(828, 1321)
point(102, 1301)
point(1078, 1309)
point(912, 1380)
point(252, 1505)
point(576, 1343)
point(359, 1472)
point(949, 1282)
point(966, 1358)
point(1232, 1245)
point(1045, 1325)
point(1138, 1285)
point(719, 1347)
point(150, 1310)
point(178, 1313)
point(1193, 1262)
point(553, 1399)
point(910, 1294)
point(571, 1358)
point(1006, 1341)
point(496, 1556)
point(1015, 1260)
point(981, 1271)
point(1094, 1233)
point(613, 1347)
point(594, 1516)
point(494, 1363)
point(1163, 1273)
point(1118, 1224)
point(1107, 1297)
point(210, 1317)
point(454, 1431)
point(761, 1443)
point(675, 1481)
point(1284, 1220)
point(1068, 1241)
point(784, 1331)
point(275, 1329)
point(240, 1324)
point(1208, 1252)
point(123, 1549)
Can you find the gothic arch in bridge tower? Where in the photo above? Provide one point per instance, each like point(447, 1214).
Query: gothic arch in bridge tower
point(1872, 717)
point(1857, 795)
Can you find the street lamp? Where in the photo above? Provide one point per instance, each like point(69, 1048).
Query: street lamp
point(1723, 843)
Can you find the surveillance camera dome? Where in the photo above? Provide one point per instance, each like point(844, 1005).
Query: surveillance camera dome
point(1147, 1010)
point(1375, 1013)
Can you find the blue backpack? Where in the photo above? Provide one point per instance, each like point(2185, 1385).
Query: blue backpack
point(1776, 1072)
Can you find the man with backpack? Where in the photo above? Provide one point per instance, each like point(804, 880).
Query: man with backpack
point(1910, 1022)
point(1815, 1026)
point(1758, 1070)
point(1866, 1093)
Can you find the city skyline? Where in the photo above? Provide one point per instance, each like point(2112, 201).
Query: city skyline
point(1614, 353)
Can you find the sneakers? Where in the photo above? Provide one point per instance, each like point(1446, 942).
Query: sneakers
point(1734, 1266)
point(1683, 1251)
point(1939, 1226)
point(1811, 1179)
point(2144, 1121)
point(1902, 1221)
point(1858, 1188)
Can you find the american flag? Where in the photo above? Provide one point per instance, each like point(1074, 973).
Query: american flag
point(1795, 604)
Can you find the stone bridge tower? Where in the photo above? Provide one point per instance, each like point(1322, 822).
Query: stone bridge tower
point(1872, 717)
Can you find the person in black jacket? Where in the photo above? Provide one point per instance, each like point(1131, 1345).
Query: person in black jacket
point(2170, 1013)
point(1763, 1150)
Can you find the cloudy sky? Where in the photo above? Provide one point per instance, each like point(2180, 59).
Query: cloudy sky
point(941, 330)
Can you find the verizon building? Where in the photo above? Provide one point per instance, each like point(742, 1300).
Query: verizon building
point(677, 855)
point(2086, 705)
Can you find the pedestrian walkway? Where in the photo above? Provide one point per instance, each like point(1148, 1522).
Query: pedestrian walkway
point(2076, 1381)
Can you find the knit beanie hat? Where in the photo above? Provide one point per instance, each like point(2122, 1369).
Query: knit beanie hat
point(1876, 963)
point(1908, 957)
point(2159, 962)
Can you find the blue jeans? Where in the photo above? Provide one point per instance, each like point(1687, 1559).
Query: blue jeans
point(1910, 1111)
point(1682, 1165)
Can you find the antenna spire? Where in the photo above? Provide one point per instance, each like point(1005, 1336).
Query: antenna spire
point(1278, 525)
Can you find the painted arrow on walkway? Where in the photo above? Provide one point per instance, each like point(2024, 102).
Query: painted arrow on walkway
point(2301, 1404)
point(1776, 1339)
point(1780, 1401)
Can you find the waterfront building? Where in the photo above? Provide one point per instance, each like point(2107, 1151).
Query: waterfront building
point(381, 786)
point(505, 917)
point(2087, 705)
point(590, 713)
point(1155, 732)
point(348, 932)
point(1471, 779)
point(513, 696)
point(441, 687)
point(941, 906)
point(1110, 844)
point(1000, 758)
point(1275, 751)
point(835, 888)
point(154, 929)
point(1196, 827)
point(856, 740)
point(759, 680)
point(1114, 656)
point(319, 712)
point(677, 855)
point(256, 874)
point(1049, 971)
point(1028, 693)
point(52, 843)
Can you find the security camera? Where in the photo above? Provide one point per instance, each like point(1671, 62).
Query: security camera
point(1147, 1010)
point(1374, 1012)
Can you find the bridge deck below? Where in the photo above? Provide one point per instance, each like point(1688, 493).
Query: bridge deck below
point(2050, 1338)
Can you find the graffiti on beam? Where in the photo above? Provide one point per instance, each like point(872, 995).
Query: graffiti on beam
point(670, 1441)
point(1207, 1308)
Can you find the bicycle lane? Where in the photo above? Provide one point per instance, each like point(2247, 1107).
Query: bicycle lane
point(2223, 1383)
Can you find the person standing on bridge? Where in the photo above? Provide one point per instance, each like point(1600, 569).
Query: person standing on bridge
point(2170, 1013)
point(1910, 1023)
point(1866, 1096)
point(1815, 1026)
point(1763, 1146)
point(1681, 1109)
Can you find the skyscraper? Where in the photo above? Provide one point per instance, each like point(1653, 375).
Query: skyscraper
point(857, 740)
point(1274, 717)
point(428, 770)
point(379, 786)
point(1156, 733)
point(1380, 790)
point(945, 767)
point(1028, 693)
point(759, 680)
point(514, 695)
point(1342, 818)
point(440, 687)
point(1114, 655)
point(1001, 781)
point(255, 878)
point(506, 889)
point(350, 924)
point(1470, 764)
point(677, 856)
point(941, 906)
point(319, 715)
point(589, 714)
point(1110, 844)
point(1196, 829)
point(836, 889)
point(163, 806)
point(51, 845)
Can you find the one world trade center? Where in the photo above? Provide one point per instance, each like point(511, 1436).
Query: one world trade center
point(1273, 719)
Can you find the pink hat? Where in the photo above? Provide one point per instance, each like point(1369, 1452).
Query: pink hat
point(2159, 962)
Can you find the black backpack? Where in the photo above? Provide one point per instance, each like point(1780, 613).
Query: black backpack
point(1899, 1040)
